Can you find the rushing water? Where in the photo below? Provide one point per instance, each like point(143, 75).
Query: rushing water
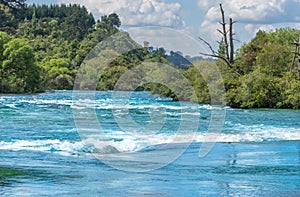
point(256, 153)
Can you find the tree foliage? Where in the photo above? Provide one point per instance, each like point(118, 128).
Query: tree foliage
point(43, 46)
point(267, 77)
point(19, 72)
point(267, 80)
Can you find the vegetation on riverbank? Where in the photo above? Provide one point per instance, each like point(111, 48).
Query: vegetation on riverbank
point(42, 48)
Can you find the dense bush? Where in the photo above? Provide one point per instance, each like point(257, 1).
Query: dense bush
point(42, 47)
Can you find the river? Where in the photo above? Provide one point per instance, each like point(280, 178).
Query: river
point(144, 145)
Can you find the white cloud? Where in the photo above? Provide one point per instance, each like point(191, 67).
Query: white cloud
point(136, 12)
point(251, 15)
point(249, 28)
point(253, 11)
point(252, 29)
point(204, 4)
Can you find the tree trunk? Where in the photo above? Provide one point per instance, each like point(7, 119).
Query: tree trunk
point(299, 57)
point(224, 32)
point(231, 60)
point(227, 57)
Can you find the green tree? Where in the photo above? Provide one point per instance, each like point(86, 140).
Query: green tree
point(11, 13)
point(58, 74)
point(246, 55)
point(4, 38)
point(19, 72)
point(111, 20)
point(267, 79)
point(114, 20)
point(257, 90)
point(290, 87)
point(274, 59)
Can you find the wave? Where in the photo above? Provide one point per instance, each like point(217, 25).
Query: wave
point(13, 106)
point(62, 147)
point(101, 104)
point(132, 142)
point(47, 102)
point(75, 148)
point(267, 135)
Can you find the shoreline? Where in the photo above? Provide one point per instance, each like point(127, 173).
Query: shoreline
point(226, 106)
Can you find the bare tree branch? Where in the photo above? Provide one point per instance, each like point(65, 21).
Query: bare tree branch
point(296, 53)
point(224, 33)
point(227, 57)
point(231, 57)
point(217, 56)
point(294, 58)
point(299, 56)
point(209, 46)
point(222, 58)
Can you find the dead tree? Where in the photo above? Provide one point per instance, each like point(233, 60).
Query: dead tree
point(228, 56)
point(224, 33)
point(299, 57)
point(231, 57)
point(296, 53)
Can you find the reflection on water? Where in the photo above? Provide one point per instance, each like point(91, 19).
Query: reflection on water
point(232, 156)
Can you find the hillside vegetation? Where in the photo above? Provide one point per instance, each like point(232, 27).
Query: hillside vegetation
point(43, 47)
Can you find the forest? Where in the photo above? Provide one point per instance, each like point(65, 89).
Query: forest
point(43, 46)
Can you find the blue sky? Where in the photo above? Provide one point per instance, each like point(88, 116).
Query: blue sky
point(198, 17)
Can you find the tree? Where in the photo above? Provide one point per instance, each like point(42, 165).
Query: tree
point(268, 50)
point(225, 47)
point(4, 38)
point(296, 53)
point(14, 4)
point(266, 80)
point(11, 12)
point(58, 75)
point(77, 23)
point(259, 90)
point(19, 72)
point(291, 91)
point(111, 20)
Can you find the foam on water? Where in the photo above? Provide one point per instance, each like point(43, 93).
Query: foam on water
point(64, 147)
point(235, 130)
point(102, 103)
point(37, 129)
point(125, 142)
point(279, 134)
point(47, 102)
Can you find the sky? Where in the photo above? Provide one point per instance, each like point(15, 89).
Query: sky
point(197, 17)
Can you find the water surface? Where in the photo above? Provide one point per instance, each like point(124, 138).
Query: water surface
point(43, 154)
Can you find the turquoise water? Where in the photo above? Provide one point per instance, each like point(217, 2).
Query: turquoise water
point(256, 153)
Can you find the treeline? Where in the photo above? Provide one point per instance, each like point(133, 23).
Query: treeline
point(264, 74)
point(43, 47)
point(268, 69)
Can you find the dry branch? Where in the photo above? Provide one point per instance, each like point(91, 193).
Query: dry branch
point(209, 46)
point(224, 33)
point(227, 57)
point(231, 58)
